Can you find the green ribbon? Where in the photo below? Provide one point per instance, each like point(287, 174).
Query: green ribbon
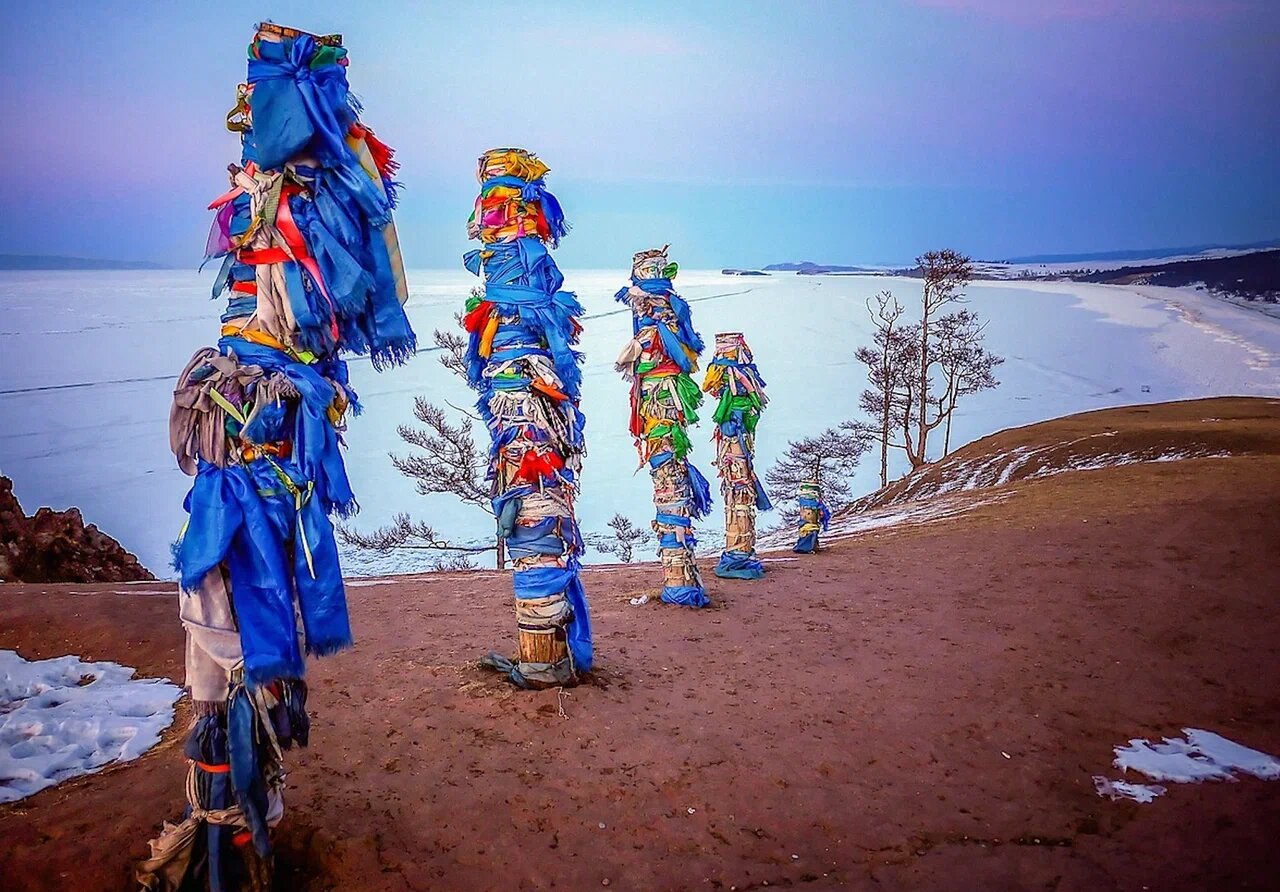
point(680, 444)
point(749, 404)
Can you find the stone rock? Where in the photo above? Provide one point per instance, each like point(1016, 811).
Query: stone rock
point(57, 546)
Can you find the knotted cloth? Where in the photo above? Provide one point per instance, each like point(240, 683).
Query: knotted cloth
point(658, 361)
point(311, 265)
point(734, 381)
point(521, 357)
point(306, 227)
point(814, 518)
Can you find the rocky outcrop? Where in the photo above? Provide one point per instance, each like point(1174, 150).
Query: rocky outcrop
point(57, 546)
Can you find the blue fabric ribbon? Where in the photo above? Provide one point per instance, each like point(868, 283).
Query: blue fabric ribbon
point(301, 109)
point(246, 771)
point(823, 511)
point(315, 440)
point(207, 743)
point(245, 516)
point(806, 544)
point(674, 340)
point(541, 582)
point(739, 565)
point(298, 107)
point(522, 277)
point(750, 367)
point(685, 595)
point(699, 491)
point(541, 539)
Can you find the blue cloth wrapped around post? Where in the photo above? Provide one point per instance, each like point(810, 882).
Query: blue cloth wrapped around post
point(521, 357)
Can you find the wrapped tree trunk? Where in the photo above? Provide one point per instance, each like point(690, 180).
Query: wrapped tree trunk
point(734, 381)
point(311, 268)
point(664, 399)
point(814, 518)
point(521, 358)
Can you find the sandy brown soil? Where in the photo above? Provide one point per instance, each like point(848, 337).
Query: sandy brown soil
point(917, 709)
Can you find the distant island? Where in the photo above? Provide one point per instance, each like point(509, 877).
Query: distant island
point(1113, 259)
point(1250, 272)
point(742, 272)
point(1148, 254)
point(57, 262)
point(1254, 276)
point(808, 268)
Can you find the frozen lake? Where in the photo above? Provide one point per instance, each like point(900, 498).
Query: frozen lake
point(88, 359)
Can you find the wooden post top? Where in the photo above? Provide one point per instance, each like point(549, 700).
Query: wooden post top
point(277, 33)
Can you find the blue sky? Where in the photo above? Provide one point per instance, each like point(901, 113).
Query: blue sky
point(742, 132)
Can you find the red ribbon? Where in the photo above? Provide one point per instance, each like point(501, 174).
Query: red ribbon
point(535, 467)
point(475, 320)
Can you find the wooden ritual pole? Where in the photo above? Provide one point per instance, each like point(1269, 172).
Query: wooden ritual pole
point(734, 382)
point(311, 270)
point(659, 360)
point(521, 358)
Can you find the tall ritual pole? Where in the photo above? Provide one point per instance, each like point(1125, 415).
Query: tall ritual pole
point(814, 517)
point(311, 268)
point(658, 361)
point(734, 381)
point(521, 358)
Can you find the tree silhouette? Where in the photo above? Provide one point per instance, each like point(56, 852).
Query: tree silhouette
point(828, 459)
point(449, 463)
point(622, 543)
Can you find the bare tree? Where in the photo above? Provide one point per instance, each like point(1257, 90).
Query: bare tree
point(918, 371)
point(965, 365)
point(454, 349)
point(625, 537)
point(404, 533)
point(890, 362)
point(449, 463)
point(829, 459)
point(945, 274)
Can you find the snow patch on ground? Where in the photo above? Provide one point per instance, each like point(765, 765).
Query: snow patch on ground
point(853, 524)
point(952, 477)
point(1117, 459)
point(1202, 756)
point(1116, 790)
point(63, 717)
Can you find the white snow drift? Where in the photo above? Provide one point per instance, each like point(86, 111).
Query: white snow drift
point(63, 717)
point(1203, 756)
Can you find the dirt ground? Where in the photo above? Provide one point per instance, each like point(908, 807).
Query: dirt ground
point(910, 709)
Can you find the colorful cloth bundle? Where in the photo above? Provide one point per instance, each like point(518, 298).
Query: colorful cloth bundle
point(733, 379)
point(235, 784)
point(659, 360)
point(311, 257)
point(312, 268)
point(814, 518)
point(521, 358)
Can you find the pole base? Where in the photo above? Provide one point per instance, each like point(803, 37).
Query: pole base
point(532, 676)
point(739, 565)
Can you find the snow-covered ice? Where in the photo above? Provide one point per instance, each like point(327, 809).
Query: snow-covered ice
point(1201, 756)
point(63, 717)
point(88, 361)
